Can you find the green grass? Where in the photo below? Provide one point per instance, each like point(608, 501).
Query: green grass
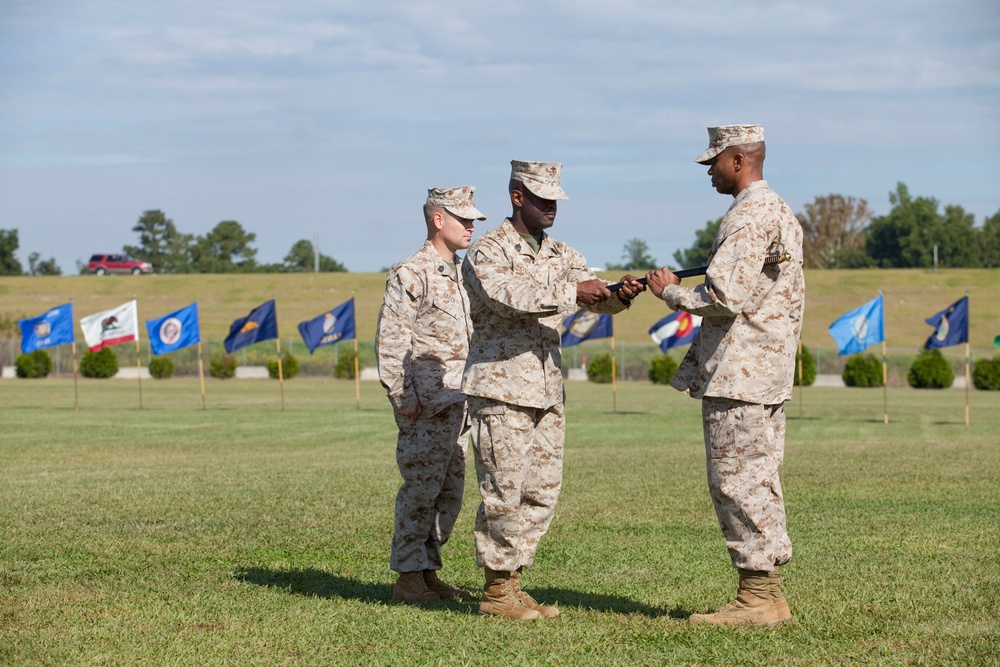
point(246, 535)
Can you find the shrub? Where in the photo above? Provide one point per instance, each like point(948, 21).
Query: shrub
point(863, 370)
point(662, 369)
point(223, 366)
point(36, 364)
point(599, 369)
point(289, 367)
point(345, 364)
point(986, 374)
point(930, 370)
point(161, 368)
point(808, 367)
point(101, 364)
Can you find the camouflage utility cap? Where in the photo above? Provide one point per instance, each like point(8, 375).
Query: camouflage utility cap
point(457, 201)
point(541, 178)
point(721, 138)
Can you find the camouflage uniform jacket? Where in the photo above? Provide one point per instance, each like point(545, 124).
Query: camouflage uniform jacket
point(423, 332)
point(752, 315)
point(517, 300)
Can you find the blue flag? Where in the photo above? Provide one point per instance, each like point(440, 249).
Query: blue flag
point(583, 325)
point(856, 329)
point(55, 327)
point(260, 324)
point(952, 325)
point(675, 330)
point(174, 331)
point(330, 327)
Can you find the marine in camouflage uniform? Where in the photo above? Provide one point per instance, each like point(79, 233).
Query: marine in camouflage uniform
point(741, 365)
point(421, 344)
point(521, 284)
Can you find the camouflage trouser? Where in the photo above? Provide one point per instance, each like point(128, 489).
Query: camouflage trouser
point(518, 455)
point(744, 448)
point(430, 453)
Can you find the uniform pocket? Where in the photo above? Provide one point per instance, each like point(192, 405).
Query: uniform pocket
point(492, 437)
point(734, 429)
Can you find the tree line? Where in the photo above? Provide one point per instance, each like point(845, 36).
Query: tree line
point(227, 248)
point(840, 233)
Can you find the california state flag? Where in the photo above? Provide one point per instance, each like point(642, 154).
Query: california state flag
point(111, 327)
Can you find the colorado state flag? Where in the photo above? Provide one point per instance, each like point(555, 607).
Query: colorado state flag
point(675, 330)
point(952, 325)
point(330, 327)
point(260, 324)
point(583, 325)
point(55, 327)
point(174, 331)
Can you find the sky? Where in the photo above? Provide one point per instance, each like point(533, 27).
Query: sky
point(328, 120)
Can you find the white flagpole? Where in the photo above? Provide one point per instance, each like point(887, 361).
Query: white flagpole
point(614, 384)
point(968, 377)
point(201, 372)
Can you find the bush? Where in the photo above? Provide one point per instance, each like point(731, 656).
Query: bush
point(808, 367)
point(161, 368)
point(37, 364)
point(662, 369)
point(223, 366)
point(930, 370)
point(863, 370)
point(599, 369)
point(101, 364)
point(986, 374)
point(345, 365)
point(289, 367)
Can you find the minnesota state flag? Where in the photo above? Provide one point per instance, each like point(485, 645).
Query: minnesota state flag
point(174, 330)
point(260, 324)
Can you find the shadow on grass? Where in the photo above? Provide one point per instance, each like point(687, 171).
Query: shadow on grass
point(316, 583)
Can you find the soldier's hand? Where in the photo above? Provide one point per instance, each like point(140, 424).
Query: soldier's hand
point(630, 288)
point(411, 412)
point(657, 279)
point(590, 292)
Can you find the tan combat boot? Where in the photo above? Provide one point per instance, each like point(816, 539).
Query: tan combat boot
point(410, 587)
point(545, 610)
point(500, 598)
point(753, 604)
point(780, 603)
point(445, 591)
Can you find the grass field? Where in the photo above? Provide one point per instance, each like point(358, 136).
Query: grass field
point(244, 534)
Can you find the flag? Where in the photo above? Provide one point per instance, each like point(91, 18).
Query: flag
point(951, 324)
point(330, 327)
point(55, 327)
point(111, 327)
point(260, 324)
point(675, 330)
point(174, 331)
point(583, 325)
point(856, 329)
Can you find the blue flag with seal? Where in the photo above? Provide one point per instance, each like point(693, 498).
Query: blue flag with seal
point(951, 324)
point(260, 324)
point(675, 330)
point(330, 327)
point(54, 327)
point(856, 329)
point(583, 325)
point(174, 331)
